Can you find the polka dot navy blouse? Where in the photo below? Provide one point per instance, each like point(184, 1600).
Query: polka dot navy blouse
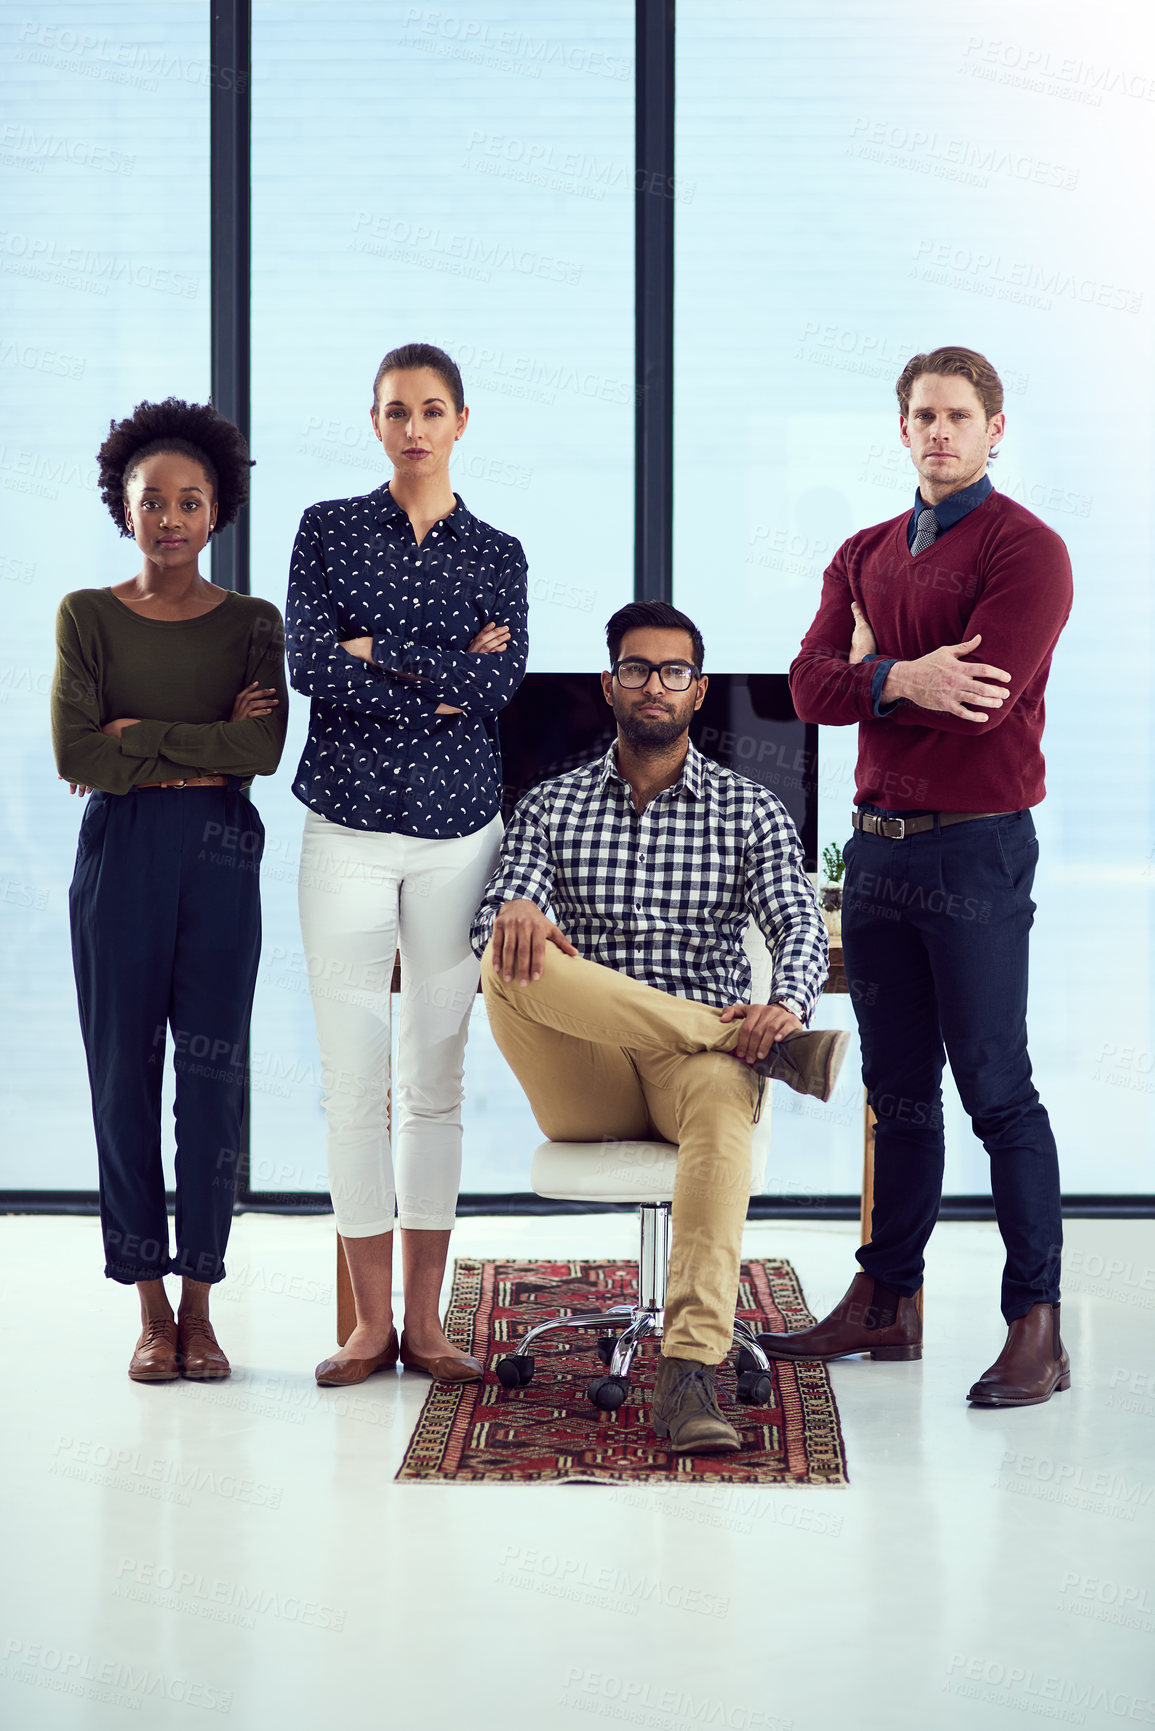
point(377, 756)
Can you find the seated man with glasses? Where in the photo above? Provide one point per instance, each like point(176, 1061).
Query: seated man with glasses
point(616, 978)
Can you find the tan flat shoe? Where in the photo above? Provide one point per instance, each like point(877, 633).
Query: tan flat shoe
point(154, 1357)
point(344, 1372)
point(443, 1368)
point(201, 1359)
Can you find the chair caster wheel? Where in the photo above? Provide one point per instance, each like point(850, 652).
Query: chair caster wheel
point(608, 1393)
point(747, 1361)
point(606, 1344)
point(755, 1388)
point(515, 1372)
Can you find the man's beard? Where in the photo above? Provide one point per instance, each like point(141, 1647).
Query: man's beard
point(649, 736)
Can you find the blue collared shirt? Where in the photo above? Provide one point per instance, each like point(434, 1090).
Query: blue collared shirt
point(378, 756)
point(948, 511)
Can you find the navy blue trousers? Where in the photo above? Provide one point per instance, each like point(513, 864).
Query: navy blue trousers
point(166, 933)
point(935, 932)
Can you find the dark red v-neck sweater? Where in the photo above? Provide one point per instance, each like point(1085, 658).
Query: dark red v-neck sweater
point(1000, 572)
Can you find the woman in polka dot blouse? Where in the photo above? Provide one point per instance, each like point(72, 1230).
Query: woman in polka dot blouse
point(407, 629)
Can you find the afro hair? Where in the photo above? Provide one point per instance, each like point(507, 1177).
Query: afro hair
point(195, 430)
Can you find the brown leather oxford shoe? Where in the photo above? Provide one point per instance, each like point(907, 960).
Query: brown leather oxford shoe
point(154, 1357)
point(868, 1318)
point(1032, 1366)
point(201, 1359)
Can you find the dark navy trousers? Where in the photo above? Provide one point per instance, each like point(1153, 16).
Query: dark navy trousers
point(166, 934)
point(935, 931)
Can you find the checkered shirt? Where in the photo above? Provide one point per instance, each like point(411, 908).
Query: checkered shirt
point(665, 895)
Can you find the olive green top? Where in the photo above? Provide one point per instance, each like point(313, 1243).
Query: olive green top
point(179, 676)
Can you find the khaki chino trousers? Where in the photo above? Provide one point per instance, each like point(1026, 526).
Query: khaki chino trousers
point(601, 1057)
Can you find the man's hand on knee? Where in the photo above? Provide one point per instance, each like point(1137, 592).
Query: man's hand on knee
point(762, 1025)
point(520, 933)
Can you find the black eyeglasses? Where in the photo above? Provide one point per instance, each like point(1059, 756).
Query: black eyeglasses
point(633, 673)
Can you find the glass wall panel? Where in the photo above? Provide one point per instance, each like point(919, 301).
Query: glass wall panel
point(104, 258)
point(463, 178)
point(872, 182)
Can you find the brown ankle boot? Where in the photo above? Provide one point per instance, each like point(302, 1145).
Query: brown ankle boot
point(869, 1318)
point(686, 1409)
point(1031, 1366)
point(808, 1061)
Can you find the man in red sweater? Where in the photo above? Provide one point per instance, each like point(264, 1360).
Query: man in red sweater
point(937, 900)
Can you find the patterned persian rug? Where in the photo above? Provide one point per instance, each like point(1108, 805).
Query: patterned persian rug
point(550, 1431)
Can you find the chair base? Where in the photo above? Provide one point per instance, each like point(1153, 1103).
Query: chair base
point(628, 1325)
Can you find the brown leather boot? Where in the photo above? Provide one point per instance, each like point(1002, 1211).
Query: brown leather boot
point(201, 1357)
point(870, 1318)
point(808, 1062)
point(154, 1357)
point(1031, 1366)
point(686, 1409)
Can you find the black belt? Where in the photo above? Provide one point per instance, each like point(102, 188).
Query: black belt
point(898, 828)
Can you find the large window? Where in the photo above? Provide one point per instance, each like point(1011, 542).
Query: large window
point(910, 180)
point(105, 268)
point(422, 175)
point(851, 185)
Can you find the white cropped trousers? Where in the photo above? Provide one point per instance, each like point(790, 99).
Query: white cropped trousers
point(363, 896)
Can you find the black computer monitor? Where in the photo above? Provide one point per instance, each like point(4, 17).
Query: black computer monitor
point(558, 721)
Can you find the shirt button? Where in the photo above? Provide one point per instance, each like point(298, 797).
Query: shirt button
point(416, 563)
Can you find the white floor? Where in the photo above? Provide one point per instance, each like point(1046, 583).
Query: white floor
point(981, 1566)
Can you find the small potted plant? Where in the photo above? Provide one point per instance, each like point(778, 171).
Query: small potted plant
point(830, 895)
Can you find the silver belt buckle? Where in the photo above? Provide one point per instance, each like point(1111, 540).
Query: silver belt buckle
point(874, 824)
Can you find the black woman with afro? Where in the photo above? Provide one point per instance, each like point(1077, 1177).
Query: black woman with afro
point(169, 698)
